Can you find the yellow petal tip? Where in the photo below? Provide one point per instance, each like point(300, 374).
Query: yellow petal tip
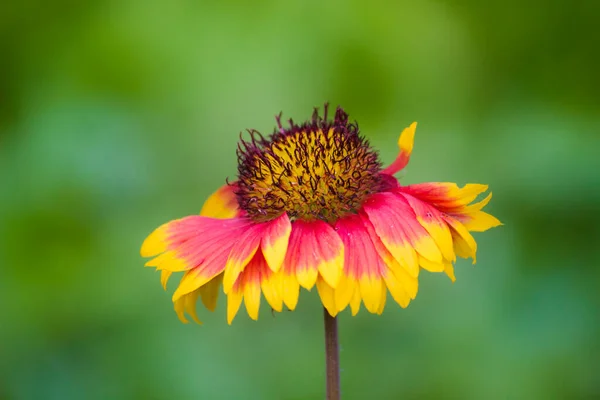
point(407, 137)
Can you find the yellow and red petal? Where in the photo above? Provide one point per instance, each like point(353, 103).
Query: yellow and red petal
point(433, 222)
point(314, 249)
point(407, 282)
point(364, 269)
point(195, 244)
point(397, 226)
point(241, 253)
point(275, 240)
point(405, 145)
point(445, 196)
point(256, 276)
point(222, 203)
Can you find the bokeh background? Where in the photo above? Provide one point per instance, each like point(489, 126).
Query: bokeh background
point(116, 116)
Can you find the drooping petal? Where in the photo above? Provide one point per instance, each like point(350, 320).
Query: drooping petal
point(314, 249)
point(405, 145)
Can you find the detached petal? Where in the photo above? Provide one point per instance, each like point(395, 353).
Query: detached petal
point(405, 144)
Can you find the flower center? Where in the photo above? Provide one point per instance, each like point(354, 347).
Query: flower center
point(318, 170)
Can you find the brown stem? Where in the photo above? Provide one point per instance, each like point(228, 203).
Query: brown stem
point(332, 356)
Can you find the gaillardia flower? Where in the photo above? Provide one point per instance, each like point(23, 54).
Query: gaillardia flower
point(312, 206)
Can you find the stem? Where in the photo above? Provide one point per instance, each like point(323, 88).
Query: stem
point(332, 356)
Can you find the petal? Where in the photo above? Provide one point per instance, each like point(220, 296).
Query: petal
point(344, 292)
point(327, 295)
point(234, 301)
point(449, 270)
point(255, 277)
point(164, 277)
point(445, 196)
point(396, 224)
point(156, 242)
point(198, 245)
point(464, 243)
point(371, 289)
point(430, 265)
point(271, 288)
point(252, 291)
point(479, 205)
point(289, 289)
point(362, 262)
point(275, 240)
point(397, 290)
point(209, 293)
point(222, 203)
point(433, 222)
point(187, 304)
point(408, 283)
point(355, 303)
point(405, 144)
point(314, 248)
point(479, 221)
point(241, 254)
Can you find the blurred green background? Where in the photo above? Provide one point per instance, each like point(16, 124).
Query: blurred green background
point(117, 116)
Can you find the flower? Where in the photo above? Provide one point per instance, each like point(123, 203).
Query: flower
point(312, 206)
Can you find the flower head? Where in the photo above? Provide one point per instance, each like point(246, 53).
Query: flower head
point(312, 206)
